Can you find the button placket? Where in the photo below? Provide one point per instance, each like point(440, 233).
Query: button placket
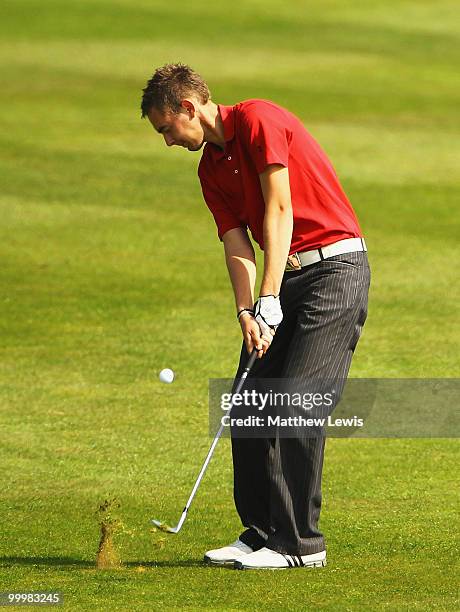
point(235, 170)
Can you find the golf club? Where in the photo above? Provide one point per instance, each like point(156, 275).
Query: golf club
point(176, 529)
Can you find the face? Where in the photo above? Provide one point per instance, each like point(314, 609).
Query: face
point(181, 129)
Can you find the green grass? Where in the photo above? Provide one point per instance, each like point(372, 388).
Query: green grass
point(111, 270)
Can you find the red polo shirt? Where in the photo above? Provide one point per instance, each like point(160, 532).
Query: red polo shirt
point(258, 133)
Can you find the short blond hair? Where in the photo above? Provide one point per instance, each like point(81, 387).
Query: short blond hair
point(169, 85)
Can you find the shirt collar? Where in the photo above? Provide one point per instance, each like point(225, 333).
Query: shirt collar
point(228, 119)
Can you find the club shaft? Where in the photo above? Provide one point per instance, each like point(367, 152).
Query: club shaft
point(238, 388)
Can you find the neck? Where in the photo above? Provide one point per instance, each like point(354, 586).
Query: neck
point(212, 124)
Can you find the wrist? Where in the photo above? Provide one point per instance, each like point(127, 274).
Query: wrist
point(245, 311)
point(269, 286)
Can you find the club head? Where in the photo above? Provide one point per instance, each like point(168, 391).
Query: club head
point(164, 527)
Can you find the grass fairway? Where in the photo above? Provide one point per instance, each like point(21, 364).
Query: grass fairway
point(111, 270)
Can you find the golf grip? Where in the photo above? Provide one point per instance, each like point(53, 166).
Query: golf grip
point(239, 386)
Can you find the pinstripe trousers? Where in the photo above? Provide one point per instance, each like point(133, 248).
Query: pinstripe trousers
point(277, 481)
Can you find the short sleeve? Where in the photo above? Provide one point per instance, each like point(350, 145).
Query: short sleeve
point(265, 135)
point(225, 219)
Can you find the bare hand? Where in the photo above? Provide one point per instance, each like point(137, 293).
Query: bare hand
point(252, 335)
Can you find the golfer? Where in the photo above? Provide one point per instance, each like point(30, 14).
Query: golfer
point(262, 171)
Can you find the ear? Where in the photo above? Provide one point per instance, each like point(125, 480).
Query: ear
point(189, 107)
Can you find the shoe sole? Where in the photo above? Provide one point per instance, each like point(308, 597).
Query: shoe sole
point(239, 566)
point(209, 561)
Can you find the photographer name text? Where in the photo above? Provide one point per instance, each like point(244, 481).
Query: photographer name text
point(292, 421)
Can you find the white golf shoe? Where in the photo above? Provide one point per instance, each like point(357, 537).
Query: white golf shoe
point(227, 555)
point(270, 559)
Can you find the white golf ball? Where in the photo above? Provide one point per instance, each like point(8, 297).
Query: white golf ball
point(167, 375)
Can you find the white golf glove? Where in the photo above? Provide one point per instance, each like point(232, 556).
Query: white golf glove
point(268, 313)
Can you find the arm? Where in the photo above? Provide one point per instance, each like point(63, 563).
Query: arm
point(278, 224)
point(266, 138)
point(239, 254)
point(241, 265)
